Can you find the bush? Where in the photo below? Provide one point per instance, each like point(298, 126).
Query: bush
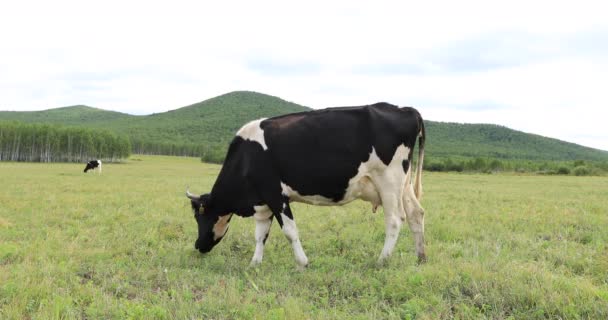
point(478, 164)
point(451, 165)
point(434, 166)
point(549, 172)
point(579, 163)
point(495, 165)
point(455, 166)
point(581, 171)
point(213, 154)
point(563, 170)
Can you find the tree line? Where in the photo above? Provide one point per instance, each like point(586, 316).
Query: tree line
point(492, 165)
point(53, 143)
point(211, 153)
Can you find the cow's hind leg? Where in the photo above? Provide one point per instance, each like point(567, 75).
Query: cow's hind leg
point(288, 225)
point(263, 221)
point(415, 219)
point(390, 193)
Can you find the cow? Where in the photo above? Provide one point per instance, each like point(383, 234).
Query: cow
point(322, 157)
point(92, 165)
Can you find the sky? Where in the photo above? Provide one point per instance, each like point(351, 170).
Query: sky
point(536, 66)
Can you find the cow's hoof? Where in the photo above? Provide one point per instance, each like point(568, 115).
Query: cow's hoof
point(382, 262)
point(301, 267)
point(255, 264)
point(422, 258)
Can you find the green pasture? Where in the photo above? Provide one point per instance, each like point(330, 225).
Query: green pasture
point(121, 246)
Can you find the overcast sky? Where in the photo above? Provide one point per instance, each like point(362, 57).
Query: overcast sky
point(536, 66)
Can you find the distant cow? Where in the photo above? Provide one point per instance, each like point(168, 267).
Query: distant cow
point(92, 165)
point(320, 157)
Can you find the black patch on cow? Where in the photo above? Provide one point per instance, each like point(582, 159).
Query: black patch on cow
point(406, 165)
point(279, 218)
point(268, 232)
point(245, 212)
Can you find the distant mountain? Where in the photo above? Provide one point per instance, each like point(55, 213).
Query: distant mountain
point(213, 122)
point(73, 115)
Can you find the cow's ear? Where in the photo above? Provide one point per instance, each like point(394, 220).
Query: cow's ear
point(205, 199)
point(196, 206)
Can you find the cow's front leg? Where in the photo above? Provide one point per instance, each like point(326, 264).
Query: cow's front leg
point(288, 225)
point(263, 221)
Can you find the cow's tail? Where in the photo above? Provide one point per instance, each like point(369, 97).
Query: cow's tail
point(418, 181)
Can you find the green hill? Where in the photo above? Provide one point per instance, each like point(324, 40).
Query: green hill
point(493, 141)
point(212, 121)
point(209, 125)
point(73, 115)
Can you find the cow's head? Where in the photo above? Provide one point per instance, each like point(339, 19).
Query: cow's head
point(211, 225)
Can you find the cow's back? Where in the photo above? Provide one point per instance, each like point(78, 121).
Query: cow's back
point(317, 152)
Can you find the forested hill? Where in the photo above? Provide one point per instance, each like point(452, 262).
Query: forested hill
point(208, 126)
point(73, 115)
point(215, 120)
point(494, 141)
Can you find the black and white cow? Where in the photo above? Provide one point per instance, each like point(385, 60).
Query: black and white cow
point(92, 165)
point(321, 157)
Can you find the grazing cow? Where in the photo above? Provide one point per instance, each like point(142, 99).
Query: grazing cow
point(92, 165)
point(321, 157)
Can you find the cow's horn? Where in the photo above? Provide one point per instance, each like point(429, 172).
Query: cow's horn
point(191, 196)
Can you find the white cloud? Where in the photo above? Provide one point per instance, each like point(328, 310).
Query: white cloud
point(536, 66)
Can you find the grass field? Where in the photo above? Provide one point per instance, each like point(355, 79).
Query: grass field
point(120, 245)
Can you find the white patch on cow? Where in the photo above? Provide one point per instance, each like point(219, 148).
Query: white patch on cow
point(291, 232)
point(253, 132)
point(99, 161)
point(262, 212)
point(262, 227)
